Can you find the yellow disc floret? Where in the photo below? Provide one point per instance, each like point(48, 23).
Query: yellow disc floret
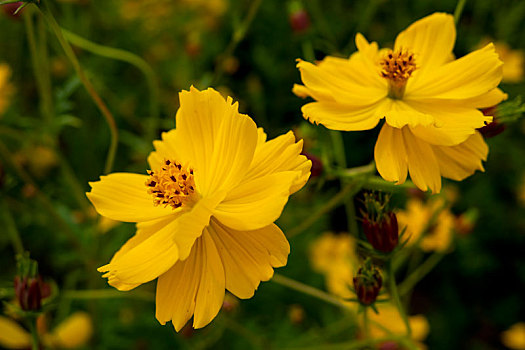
point(172, 184)
point(397, 67)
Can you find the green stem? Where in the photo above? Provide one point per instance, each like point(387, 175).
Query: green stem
point(128, 57)
point(42, 84)
point(395, 296)
point(459, 9)
point(10, 227)
point(419, 273)
point(377, 183)
point(327, 207)
point(42, 6)
point(314, 292)
point(366, 325)
point(238, 36)
point(339, 148)
point(35, 343)
point(90, 294)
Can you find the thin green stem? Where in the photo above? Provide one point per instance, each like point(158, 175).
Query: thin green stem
point(42, 6)
point(395, 296)
point(131, 58)
point(377, 183)
point(305, 289)
point(419, 273)
point(10, 227)
point(327, 207)
point(35, 343)
point(42, 84)
point(339, 148)
point(459, 9)
point(238, 35)
point(366, 325)
point(90, 294)
point(356, 171)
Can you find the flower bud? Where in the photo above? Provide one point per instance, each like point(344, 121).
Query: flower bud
point(298, 17)
point(317, 164)
point(367, 284)
point(29, 287)
point(382, 235)
point(495, 127)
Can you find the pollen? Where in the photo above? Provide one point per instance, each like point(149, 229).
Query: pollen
point(172, 184)
point(398, 66)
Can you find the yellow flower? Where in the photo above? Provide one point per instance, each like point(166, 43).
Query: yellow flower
point(514, 338)
point(6, 89)
point(74, 331)
point(429, 101)
point(334, 256)
point(205, 213)
point(416, 218)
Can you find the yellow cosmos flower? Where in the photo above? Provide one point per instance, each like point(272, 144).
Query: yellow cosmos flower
point(514, 338)
point(74, 331)
point(429, 101)
point(416, 218)
point(205, 212)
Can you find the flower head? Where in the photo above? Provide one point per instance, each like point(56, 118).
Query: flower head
point(429, 101)
point(205, 211)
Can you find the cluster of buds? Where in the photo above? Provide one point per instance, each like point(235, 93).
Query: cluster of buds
point(30, 289)
point(379, 223)
point(367, 283)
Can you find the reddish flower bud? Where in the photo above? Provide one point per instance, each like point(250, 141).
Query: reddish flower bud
point(317, 164)
point(492, 129)
point(367, 284)
point(30, 291)
point(383, 234)
point(299, 21)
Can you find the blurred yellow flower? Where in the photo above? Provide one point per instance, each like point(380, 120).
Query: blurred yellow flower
point(333, 255)
point(514, 337)
point(389, 320)
point(205, 213)
point(6, 88)
point(74, 331)
point(429, 101)
point(416, 218)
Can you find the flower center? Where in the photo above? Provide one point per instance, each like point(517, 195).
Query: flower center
point(397, 67)
point(172, 184)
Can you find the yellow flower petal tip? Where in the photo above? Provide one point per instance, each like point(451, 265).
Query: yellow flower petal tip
point(429, 100)
point(204, 208)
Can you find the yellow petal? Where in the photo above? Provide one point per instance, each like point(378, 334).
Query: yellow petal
point(194, 286)
point(490, 99)
point(468, 77)
point(399, 113)
point(12, 335)
point(165, 241)
point(336, 84)
point(390, 155)
point(514, 338)
point(256, 203)
point(280, 154)
point(335, 116)
point(124, 197)
point(453, 124)
point(74, 331)
point(218, 140)
point(248, 257)
point(398, 149)
point(169, 148)
point(431, 39)
point(461, 161)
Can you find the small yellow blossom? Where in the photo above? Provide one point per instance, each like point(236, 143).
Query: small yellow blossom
point(429, 101)
point(416, 219)
point(514, 337)
point(205, 211)
point(74, 331)
point(6, 88)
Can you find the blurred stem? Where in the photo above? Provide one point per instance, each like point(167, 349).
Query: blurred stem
point(238, 36)
point(424, 269)
point(459, 9)
point(42, 6)
point(10, 227)
point(339, 148)
point(308, 51)
point(377, 183)
point(305, 289)
point(34, 334)
point(89, 294)
point(328, 206)
point(366, 326)
point(43, 85)
point(131, 58)
point(395, 296)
